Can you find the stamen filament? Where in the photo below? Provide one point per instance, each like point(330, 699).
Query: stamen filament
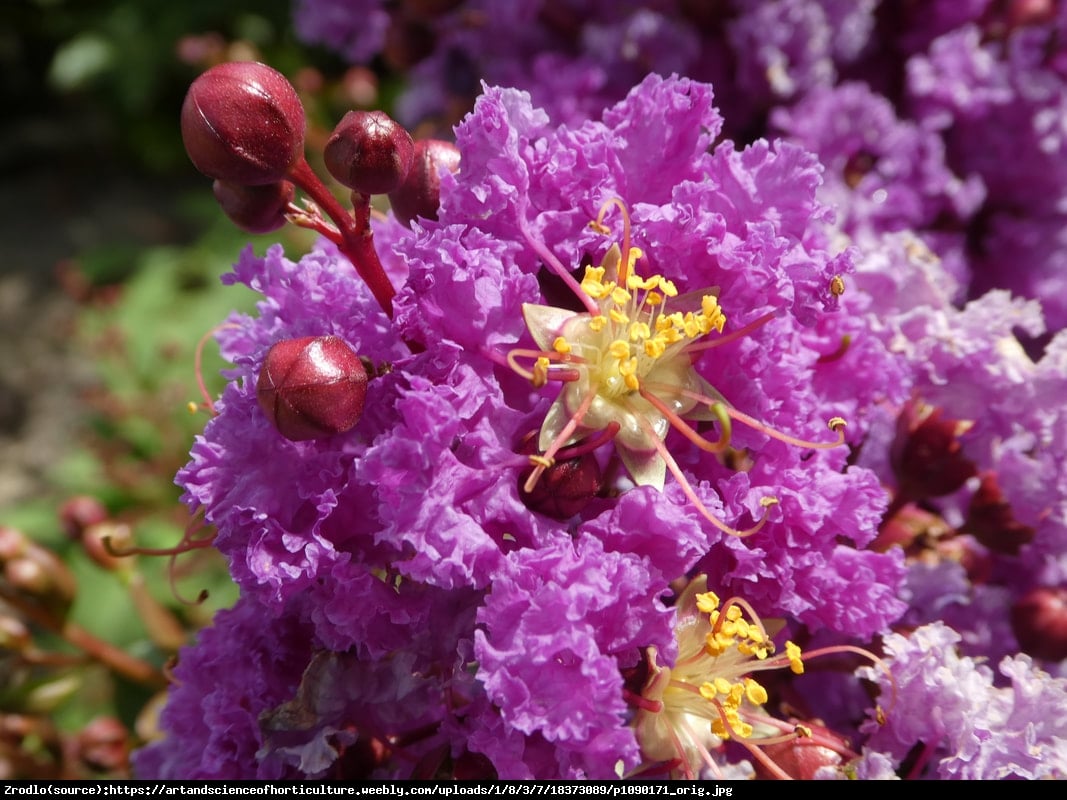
point(748, 609)
point(752, 748)
point(700, 346)
point(522, 352)
point(691, 495)
point(686, 430)
point(836, 424)
point(557, 443)
point(624, 262)
point(198, 363)
point(557, 267)
point(591, 443)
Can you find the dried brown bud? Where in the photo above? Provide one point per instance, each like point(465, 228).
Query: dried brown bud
point(104, 745)
point(78, 513)
point(242, 122)
point(369, 152)
point(312, 387)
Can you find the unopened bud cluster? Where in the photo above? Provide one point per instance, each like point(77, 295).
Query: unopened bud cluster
point(243, 124)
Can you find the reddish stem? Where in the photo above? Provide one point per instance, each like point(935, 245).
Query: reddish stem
point(356, 237)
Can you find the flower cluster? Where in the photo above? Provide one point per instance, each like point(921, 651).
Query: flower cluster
point(635, 362)
point(406, 553)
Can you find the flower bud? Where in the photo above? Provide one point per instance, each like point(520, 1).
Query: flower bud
point(312, 387)
point(565, 488)
point(1039, 621)
point(255, 209)
point(419, 195)
point(369, 152)
point(991, 521)
point(242, 122)
point(926, 455)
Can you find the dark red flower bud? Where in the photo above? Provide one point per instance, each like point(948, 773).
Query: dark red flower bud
point(369, 152)
point(563, 489)
point(990, 519)
point(420, 193)
point(312, 387)
point(1039, 620)
point(926, 455)
point(242, 122)
point(256, 209)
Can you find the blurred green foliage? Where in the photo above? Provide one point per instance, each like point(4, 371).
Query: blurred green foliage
point(122, 66)
point(100, 83)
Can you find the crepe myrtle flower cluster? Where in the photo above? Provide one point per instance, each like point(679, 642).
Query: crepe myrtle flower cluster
point(623, 309)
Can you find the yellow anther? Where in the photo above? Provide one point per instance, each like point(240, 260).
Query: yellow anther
point(796, 663)
point(634, 282)
point(639, 331)
point(541, 461)
point(755, 693)
point(803, 731)
point(654, 348)
point(620, 296)
point(596, 324)
point(654, 299)
point(836, 423)
point(540, 372)
point(722, 686)
point(561, 345)
point(192, 407)
point(618, 317)
point(668, 287)
point(837, 286)
point(733, 613)
point(635, 253)
point(707, 602)
point(619, 349)
point(691, 326)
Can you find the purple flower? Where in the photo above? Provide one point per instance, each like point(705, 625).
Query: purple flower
point(968, 729)
point(407, 548)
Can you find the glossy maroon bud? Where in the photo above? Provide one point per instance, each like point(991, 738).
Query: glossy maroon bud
point(369, 152)
point(990, 519)
point(255, 209)
point(312, 387)
point(926, 455)
point(1039, 620)
point(420, 193)
point(242, 122)
point(563, 489)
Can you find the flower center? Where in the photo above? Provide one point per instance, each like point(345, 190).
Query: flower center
point(626, 368)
